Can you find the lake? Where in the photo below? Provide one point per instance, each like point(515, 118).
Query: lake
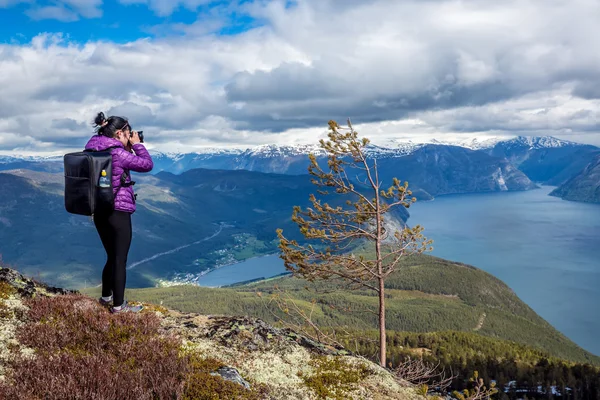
point(253, 268)
point(546, 249)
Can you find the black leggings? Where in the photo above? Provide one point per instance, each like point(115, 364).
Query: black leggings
point(115, 232)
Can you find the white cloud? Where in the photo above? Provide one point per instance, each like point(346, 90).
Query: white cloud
point(60, 10)
point(165, 8)
point(410, 69)
point(58, 13)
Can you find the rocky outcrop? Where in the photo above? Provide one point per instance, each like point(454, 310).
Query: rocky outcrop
point(283, 363)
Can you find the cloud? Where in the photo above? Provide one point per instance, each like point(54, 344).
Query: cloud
point(10, 3)
point(409, 69)
point(87, 8)
point(60, 10)
point(58, 13)
point(392, 60)
point(165, 8)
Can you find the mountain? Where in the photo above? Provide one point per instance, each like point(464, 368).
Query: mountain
point(86, 352)
point(545, 159)
point(542, 159)
point(188, 222)
point(441, 169)
point(584, 186)
point(177, 163)
point(430, 169)
point(42, 164)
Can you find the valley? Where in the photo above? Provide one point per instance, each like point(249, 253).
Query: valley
point(197, 225)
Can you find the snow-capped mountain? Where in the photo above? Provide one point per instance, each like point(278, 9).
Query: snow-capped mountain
point(274, 150)
point(531, 142)
point(408, 146)
point(9, 159)
point(546, 158)
point(6, 159)
point(473, 144)
point(541, 158)
point(385, 148)
point(398, 149)
point(538, 142)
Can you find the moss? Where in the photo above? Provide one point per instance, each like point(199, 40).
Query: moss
point(201, 385)
point(120, 333)
point(154, 308)
point(6, 290)
point(198, 363)
point(5, 312)
point(422, 390)
point(334, 377)
point(204, 386)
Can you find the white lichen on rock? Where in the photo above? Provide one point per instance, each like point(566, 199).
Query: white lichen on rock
point(266, 355)
point(12, 309)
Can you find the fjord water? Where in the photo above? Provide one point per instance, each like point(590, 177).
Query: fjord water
point(546, 249)
point(252, 268)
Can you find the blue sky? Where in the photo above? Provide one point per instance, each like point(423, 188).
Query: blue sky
point(200, 73)
point(116, 21)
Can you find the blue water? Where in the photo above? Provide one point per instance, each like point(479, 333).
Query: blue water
point(253, 268)
point(546, 249)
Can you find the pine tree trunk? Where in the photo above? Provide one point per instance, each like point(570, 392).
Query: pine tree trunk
point(382, 333)
point(379, 257)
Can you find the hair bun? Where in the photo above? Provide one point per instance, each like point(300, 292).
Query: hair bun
point(100, 119)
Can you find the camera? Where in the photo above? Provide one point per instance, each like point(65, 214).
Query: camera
point(140, 134)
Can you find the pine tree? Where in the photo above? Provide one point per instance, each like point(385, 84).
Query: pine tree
point(363, 220)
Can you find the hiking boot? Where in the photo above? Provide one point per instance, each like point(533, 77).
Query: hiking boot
point(126, 307)
point(104, 302)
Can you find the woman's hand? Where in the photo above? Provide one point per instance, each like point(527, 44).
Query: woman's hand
point(135, 138)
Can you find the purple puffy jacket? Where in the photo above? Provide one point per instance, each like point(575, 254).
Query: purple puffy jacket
point(123, 161)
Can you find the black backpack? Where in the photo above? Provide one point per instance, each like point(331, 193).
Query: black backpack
point(84, 194)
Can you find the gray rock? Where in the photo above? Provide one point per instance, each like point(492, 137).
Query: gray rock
point(232, 375)
point(27, 287)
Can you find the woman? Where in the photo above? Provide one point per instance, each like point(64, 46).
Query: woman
point(114, 228)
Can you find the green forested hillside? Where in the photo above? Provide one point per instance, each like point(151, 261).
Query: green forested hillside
point(427, 294)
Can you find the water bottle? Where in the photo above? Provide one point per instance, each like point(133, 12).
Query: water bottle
point(104, 180)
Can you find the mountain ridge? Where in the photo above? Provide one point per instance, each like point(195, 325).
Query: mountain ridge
point(389, 146)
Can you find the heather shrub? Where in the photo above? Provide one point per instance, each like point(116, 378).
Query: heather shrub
point(78, 324)
point(84, 352)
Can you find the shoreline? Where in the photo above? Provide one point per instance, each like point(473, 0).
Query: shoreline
point(209, 270)
point(197, 276)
